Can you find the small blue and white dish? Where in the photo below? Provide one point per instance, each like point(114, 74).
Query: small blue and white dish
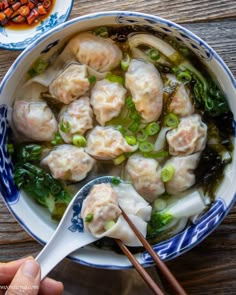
point(18, 39)
point(34, 218)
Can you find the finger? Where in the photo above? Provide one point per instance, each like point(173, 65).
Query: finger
point(51, 287)
point(9, 269)
point(26, 280)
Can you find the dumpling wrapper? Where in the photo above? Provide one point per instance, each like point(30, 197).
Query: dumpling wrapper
point(107, 99)
point(107, 143)
point(34, 119)
point(78, 115)
point(138, 210)
point(101, 54)
point(70, 84)
point(68, 162)
point(189, 137)
point(146, 87)
point(145, 174)
point(184, 176)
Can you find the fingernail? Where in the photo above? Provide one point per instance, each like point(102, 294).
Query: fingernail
point(30, 269)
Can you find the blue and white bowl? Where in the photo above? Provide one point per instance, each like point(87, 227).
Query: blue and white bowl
point(20, 39)
point(33, 218)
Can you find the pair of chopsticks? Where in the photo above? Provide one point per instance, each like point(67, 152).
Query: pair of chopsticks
point(141, 270)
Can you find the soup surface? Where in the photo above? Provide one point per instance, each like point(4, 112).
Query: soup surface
point(126, 102)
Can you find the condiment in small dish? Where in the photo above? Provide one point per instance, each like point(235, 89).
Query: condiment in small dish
point(23, 21)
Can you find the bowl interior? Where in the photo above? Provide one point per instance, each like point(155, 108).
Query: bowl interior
point(34, 218)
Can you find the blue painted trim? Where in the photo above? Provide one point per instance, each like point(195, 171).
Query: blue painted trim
point(151, 19)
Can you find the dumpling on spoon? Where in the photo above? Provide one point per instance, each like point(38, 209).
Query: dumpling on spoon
point(102, 216)
point(146, 87)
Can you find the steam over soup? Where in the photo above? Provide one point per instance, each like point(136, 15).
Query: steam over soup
point(130, 103)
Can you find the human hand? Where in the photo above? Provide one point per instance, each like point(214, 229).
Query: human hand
point(23, 277)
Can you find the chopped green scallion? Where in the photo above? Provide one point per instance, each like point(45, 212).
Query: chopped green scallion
point(115, 78)
point(152, 128)
point(141, 135)
point(146, 147)
point(92, 79)
point(65, 126)
point(120, 159)
point(10, 148)
point(131, 140)
point(155, 155)
point(171, 120)
point(115, 180)
point(153, 53)
point(57, 139)
point(102, 32)
point(167, 173)
point(125, 63)
point(89, 218)
point(184, 76)
point(38, 67)
point(109, 224)
point(79, 140)
point(129, 102)
point(134, 127)
point(121, 129)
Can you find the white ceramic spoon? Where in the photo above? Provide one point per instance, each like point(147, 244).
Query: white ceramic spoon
point(69, 235)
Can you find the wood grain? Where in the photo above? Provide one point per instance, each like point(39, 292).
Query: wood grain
point(178, 11)
point(209, 268)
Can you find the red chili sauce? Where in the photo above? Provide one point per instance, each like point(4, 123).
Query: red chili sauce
point(24, 13)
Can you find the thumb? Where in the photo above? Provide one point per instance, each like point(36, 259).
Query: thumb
point(26, 280)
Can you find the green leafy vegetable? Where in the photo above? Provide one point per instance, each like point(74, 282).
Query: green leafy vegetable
point(185, 207)
point(39, 184)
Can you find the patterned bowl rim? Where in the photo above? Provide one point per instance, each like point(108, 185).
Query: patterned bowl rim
point(34, 33)
point(219, 203)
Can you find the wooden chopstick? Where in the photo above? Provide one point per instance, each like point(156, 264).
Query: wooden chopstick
point(161, 265)
point(140, 269)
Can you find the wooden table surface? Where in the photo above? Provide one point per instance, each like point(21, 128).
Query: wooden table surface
point(210, 268)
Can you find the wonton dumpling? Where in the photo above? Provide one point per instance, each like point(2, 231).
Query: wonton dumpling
point(145, 175)
point(189, 137)
point(35, 120)
point(107, 99)
point(103, 203)
point(146, 87)
point(70, 84)
point(101, 54)
point(107, 143)
point(184, 176)
point(181, 103)
point(68, 162)
point(79, 115)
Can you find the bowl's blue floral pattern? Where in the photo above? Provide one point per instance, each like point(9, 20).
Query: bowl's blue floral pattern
point(7, 186)
point(194, 233)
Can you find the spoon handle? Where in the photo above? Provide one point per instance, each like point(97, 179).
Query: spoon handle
point(55, 250)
